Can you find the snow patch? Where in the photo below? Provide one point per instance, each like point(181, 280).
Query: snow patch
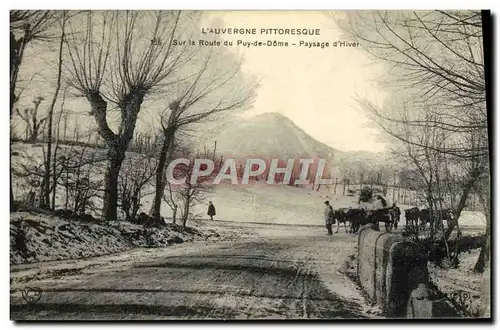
point(40, 237)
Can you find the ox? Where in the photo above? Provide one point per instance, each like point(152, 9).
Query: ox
point(428, 216)
point(356, 218)
point(341, 216)
point(412, 215)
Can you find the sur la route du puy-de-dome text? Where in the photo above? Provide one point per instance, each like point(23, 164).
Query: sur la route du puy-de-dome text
point(266, 42)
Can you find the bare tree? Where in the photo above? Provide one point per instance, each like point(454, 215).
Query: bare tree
point(26, 26)
point(74, 168)
point(212, 88)
point(429, 166)
point(55, 174)
point(50, 116)
point(440, 176)
point(135, 177)
point(436, 56)
point(78, 170)
point(172, 201)
point(483, 191)
point(82, 187)
point(120, 58)
point(436, 61)
point(436, 64)
point(146, 143)
point(33, 121)
point(191, 193)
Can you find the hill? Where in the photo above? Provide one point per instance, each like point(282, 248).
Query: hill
point(270, 135)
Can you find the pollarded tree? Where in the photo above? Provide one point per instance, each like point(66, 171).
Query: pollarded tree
point(212, 84)
point(117, 59)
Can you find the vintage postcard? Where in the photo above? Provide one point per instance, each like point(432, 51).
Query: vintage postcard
point(250, 165)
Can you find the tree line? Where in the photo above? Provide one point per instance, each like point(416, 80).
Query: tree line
point(108, 59)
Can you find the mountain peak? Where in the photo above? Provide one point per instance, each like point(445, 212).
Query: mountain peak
point(270, 134)
point(270, 116)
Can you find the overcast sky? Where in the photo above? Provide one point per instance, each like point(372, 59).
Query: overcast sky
point(314, 87)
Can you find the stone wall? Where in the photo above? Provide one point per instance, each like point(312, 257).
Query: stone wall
point(389, 269)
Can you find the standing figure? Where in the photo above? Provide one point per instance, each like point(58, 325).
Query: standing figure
point(329, 218)
point(211, 210)
point(396, 214)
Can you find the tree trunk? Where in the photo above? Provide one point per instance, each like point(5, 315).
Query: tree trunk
point(174, 214)
point(16, 54)
point(136, 205)
point(110, 200)
point(484, 255)
point(13, 207)
point(51, 115)
point(215, 148)
point(185, 213)
point(54, 174)
point(460, 207)
point(66, 184)
point(65, 127)
point(166, 147)
point(34, 132)
point(117, 143)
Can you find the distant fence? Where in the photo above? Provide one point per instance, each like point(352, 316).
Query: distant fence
point(393, 274)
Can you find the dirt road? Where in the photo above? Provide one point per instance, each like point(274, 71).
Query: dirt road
point(277, 272)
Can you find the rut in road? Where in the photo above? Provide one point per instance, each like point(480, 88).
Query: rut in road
point(312, 300)
point(246, 280)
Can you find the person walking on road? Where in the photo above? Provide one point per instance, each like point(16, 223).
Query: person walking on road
point(211, 210)
point(396, 213)
point(329, 219)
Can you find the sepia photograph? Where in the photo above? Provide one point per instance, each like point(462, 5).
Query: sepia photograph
point(250, 165)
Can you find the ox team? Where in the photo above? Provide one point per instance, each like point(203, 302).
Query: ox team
point(374, 209)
